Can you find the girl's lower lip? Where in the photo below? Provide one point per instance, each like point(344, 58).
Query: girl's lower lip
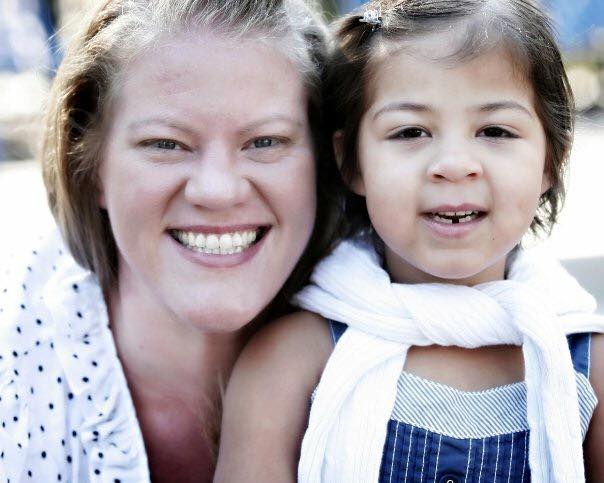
point(211, 260)
point(452, 230)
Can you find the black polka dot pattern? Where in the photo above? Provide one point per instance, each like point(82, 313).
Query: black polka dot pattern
point(65, 409)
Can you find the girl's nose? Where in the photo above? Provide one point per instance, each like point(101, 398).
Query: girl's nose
point(215, 182)
point(454, 166)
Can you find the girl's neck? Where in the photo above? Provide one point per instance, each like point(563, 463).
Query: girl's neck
point(164, 358)
point(402, 272)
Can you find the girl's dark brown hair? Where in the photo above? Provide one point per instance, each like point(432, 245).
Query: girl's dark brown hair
point(518, 25)
point(79, 107)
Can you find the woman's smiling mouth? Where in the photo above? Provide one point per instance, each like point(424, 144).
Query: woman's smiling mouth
point(219, 243)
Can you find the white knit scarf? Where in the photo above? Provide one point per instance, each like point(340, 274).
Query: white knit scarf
point(536, 307)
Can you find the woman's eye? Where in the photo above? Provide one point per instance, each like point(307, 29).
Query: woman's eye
point(410, 133)
point(166, 144)
point(163, 144)
point(496, 132)
point(264, 142)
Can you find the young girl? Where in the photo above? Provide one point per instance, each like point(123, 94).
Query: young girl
point(458, 356)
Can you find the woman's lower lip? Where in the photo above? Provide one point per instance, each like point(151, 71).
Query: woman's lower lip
point(211, 260)
point(452, 230)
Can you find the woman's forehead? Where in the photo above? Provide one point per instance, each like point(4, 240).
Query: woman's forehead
point(210, 77)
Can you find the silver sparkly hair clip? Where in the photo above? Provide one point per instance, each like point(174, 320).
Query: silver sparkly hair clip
point(373, 17)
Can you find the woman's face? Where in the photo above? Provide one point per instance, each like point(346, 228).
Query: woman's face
point(208, 177)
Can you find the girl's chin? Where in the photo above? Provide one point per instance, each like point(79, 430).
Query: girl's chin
point(467, 275)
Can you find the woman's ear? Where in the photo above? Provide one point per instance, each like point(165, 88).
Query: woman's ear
point(100, 198)
point(546, 182)
point(356, 185)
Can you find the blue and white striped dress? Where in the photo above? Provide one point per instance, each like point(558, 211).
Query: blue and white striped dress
point(440, 434)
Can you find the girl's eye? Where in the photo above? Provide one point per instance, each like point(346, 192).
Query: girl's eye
point(496, 132)
point(411, 133)
point(265, 142)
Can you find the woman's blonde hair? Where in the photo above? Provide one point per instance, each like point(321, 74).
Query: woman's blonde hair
point(79, 105)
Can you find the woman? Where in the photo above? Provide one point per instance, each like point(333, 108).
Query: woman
point(179, 161)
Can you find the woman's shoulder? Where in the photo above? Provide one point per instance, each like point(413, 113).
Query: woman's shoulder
point(63, 396)
point(36, 281)
point(24, 274)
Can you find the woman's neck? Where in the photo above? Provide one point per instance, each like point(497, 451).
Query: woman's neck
point(164, 358)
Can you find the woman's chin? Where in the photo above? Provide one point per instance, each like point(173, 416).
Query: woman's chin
point(223, 317)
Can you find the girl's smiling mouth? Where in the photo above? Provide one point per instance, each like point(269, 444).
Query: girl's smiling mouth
point(454, 217)
point(454, 221)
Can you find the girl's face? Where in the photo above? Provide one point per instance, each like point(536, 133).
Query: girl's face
point(208, 177)
point(452, 164)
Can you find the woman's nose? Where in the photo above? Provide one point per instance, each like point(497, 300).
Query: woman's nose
point(215, 182)
point(454, 165)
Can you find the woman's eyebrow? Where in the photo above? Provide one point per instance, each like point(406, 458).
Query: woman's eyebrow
point(158, 121)
point(272, 118)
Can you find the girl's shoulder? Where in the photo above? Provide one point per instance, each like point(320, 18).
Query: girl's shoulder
point(594, 442)
point(301, 342)
point(268, 398)
point(596, 364)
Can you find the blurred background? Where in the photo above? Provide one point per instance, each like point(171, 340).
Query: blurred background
point(34, 33)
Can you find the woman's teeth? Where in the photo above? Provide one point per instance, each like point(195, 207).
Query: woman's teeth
point(452, 217)
point(216, 243)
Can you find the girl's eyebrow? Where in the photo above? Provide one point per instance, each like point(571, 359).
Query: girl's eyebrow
point(402, 106)
point(417, 107)
point(496, 106)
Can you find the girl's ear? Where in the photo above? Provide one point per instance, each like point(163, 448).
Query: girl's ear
point(356, 185)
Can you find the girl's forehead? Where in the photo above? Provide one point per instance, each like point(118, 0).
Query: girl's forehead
point(413, 80)
point(445, 51)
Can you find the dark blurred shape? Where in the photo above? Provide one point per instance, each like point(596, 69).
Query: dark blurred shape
point(29, 54)
point(345, 6)
point(581, 28)
point(27, 35)
point(577, 21)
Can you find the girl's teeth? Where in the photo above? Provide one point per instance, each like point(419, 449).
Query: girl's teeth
point(453, 217)
point(217, 244)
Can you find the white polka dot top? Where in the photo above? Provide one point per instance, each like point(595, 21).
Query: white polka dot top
point(66, 413)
